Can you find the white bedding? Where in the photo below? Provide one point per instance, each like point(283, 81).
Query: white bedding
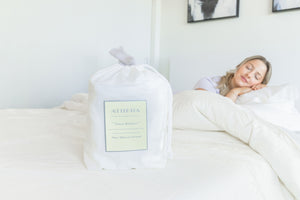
point(41, 158)
point(270, 141)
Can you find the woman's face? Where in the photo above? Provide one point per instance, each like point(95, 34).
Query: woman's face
point(249, 74)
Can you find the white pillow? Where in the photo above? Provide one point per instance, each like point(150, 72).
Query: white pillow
point(275, 104)
point(186, 115)
point(78, 102)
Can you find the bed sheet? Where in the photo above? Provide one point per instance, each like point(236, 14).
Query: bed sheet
point(41, 158)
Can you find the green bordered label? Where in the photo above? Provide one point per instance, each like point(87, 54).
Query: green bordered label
point(125, 125)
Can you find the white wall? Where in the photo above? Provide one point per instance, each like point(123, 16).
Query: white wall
point(50, 48)
point(191, 51)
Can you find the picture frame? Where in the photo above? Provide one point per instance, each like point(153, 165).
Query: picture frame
point(205, 10)
point(285, 5)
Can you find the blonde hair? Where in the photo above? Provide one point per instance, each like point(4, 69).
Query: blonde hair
point(224, 83)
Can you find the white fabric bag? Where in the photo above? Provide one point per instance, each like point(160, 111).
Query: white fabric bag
point(130, 118)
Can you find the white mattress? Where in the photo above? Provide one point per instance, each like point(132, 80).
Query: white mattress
point(41, 158)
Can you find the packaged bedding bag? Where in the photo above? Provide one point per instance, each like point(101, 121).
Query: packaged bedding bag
point(130, 117)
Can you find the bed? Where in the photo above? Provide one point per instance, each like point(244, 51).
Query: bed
point(41, 158)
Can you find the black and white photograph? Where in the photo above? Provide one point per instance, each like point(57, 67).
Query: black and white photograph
point(285, 5)
point(202, 10)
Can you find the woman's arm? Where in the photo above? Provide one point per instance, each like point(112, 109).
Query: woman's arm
point(200, 89)
point(206, 84)
point(235, 92)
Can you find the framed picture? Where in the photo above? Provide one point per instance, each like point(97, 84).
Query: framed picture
point(203, 10)
point(284, 5)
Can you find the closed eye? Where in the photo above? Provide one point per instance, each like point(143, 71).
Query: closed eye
point(257, 76)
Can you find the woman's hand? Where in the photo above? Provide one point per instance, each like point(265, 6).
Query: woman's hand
point(235, 92)
point(258, 86)
point(242, 90)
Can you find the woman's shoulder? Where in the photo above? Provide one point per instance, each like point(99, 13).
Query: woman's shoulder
point(209, 83)
point(216, 79)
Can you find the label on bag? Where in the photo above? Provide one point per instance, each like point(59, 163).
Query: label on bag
point(125, 125)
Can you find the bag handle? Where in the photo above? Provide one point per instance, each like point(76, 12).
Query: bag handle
point(122, 56)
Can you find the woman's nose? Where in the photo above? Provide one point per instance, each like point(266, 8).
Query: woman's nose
point(250, 76)
point(247, 75)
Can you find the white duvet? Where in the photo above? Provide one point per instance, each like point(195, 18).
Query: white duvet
point(41, 158)
point(270, 141)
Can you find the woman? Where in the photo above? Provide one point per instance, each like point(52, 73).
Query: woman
point(251, 74)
